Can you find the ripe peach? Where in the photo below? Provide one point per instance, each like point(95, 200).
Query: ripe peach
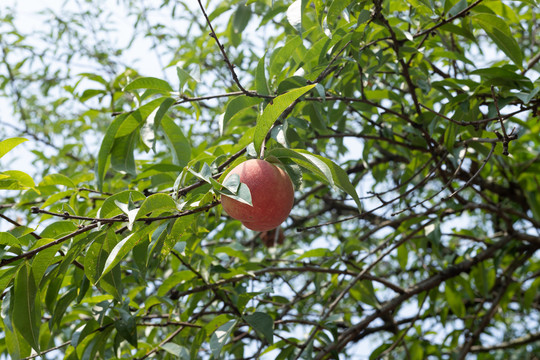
point(272, 195)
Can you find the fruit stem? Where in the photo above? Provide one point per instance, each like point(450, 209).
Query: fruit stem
point(263, 146)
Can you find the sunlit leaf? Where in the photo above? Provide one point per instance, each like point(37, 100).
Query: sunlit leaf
point(149, 83)
point(272, 112)
point(8, 144)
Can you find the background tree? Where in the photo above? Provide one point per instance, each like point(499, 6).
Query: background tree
point(410, 129)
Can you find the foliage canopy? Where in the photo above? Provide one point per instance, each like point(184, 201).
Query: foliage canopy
point(410, 129)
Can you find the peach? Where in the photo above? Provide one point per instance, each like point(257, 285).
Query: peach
point(272, 237)
point(272, 195)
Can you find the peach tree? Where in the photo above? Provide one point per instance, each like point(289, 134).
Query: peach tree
point(409, 129)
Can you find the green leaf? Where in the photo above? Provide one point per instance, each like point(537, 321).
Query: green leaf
point(216, 323)
point(127, 327)
point(26, 314)
point(128, 209)
point(6, 275)
point(196, 344)
point(122, 154)
point(119, 252)
point(320, 252)
point(16, 346)
point(24, 180)
point(43, 259)
point(417, 351)
point(403, 256)
point(183, 77)
point(498, 30)
point(156, 202)
point(58, 229)
point(240, 193)
point(325, 168)
point(241, 17)
point(181, 352)
point(57, 179)
point(57, 197)
point(106, 147)
point(280, 56)
point(94, 259)
point(178, 278)
point(458, 7)
point(363, 291)
point(121, 249)
point(8, 144)
point(110, 207)
point(455, 301)
point(294, 15)
point(335, 10)
point(262, 323)
point(9, 240)
point(220, 336)
point(88, 328)
point(234, 108)
point(61, 307)
point(178, 143)
point(149, 83)
point(261, 85)
point(272, 112)
point(153, 121)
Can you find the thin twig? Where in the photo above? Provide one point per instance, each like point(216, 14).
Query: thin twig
point(123, 218)
point(31, 253)
point(223, 53)
point(474, 175)
point(449, 20)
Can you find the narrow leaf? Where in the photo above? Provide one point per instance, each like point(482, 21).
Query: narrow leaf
point(8, 144)
point(220, 336)
point(262, 323)
point(118, 252)
point(272, 112)
point(156, 202)
point(127, 327)
point(325, 168)
point(149, 83)
point(26, 310)
point(241, 17)
point(234, 108)
point(8, 239)
point(294, 15)
point(178, 143)
point(57, 179)
point(497, 29)
point(261, 84)
point(110, 207)
point(106, 147)
point(122, 154)
point(129, 211)
point(121, 249)
point(183, 77)
point(455, 301)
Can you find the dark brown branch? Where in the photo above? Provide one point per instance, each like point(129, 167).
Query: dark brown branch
point(486, 319)
point(31, 253)
point(524, 340)
point(449, 20)
point(123, 218)
point(425, 285)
